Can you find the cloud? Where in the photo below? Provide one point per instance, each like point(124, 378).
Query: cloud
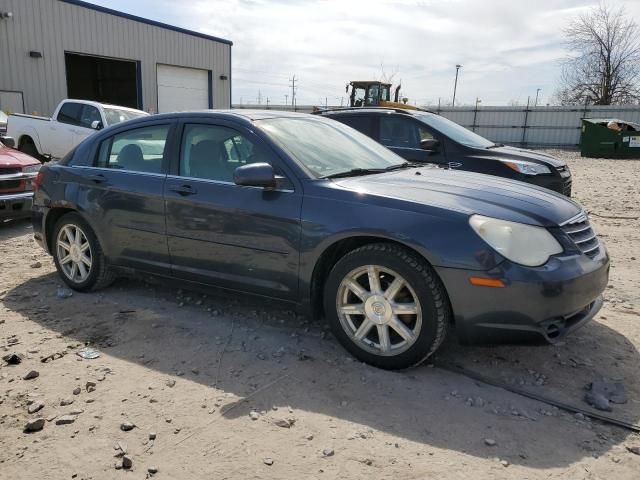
point(508, 48)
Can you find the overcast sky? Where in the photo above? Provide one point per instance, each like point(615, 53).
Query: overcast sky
point(508, 48)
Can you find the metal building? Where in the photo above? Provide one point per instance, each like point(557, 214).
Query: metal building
point(56, 49)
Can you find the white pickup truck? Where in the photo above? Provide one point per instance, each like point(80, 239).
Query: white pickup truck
point(72, 122)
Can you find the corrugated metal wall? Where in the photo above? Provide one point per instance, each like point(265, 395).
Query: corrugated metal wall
point(527, 127)
point(535, 126)
point(53, 27)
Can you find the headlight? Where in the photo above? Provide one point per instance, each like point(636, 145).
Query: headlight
point(31, 169)
point(527, 168)
point(520, 243)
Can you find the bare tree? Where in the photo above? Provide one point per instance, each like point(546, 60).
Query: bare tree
point(388, 77)
point(603, 67)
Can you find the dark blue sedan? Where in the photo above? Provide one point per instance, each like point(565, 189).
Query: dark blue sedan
point(310, 211)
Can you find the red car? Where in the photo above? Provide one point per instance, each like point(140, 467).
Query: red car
point(17, 172)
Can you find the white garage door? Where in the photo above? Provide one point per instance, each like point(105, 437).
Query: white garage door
point(181, 88)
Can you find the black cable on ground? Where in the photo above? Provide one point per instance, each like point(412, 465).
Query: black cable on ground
point(549, 401)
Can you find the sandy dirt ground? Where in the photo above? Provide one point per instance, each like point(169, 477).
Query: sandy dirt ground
point(232, 387)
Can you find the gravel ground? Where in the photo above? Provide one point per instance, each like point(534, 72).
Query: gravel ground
point(233, 387)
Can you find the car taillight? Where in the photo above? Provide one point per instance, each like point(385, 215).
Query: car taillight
point(37, 181)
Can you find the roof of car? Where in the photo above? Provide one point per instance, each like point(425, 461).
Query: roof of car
point(352, 110)
point(262, 114)
point(248, 114)
point(103, 105)
point(240, 115)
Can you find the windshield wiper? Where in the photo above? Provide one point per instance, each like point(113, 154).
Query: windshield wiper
point(403, 165)
point(354, 172)
point(495, 145)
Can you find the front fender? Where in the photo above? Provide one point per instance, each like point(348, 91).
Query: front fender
point(443, 238)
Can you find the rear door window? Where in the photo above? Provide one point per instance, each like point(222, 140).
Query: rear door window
point(362, 123)
point(139, 150)
point(70, 113)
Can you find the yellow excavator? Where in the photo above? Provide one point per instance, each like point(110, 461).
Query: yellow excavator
point(372, 93)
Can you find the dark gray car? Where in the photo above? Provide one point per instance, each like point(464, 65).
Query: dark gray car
point(420, 136)
point(309, 211)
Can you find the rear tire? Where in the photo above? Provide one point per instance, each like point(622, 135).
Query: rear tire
point(78, 255)
point(386, 306)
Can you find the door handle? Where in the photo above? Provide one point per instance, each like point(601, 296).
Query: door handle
point(98, 178)
point(184, 190)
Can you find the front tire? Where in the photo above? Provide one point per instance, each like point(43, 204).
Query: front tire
point(78, 255)
point(386, 305)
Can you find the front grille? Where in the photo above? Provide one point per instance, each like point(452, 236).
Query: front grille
point(579, 230)
point(8, 185)
point(565, 175)
point(10, 171)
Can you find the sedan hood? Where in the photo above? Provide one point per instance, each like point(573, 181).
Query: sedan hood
point(14, 158)
point(513, 153)
point(469, 193)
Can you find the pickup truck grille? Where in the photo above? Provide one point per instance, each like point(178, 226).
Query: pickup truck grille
point(580, 231)
point(9, 171)
point(9, 185)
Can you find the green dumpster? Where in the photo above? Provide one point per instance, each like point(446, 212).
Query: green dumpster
point(609, 138)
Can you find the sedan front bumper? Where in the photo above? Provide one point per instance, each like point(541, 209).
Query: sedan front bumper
point(546, 302)
point(16, 205)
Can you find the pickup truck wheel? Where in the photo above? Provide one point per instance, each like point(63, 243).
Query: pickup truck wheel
point(386, 306)
point(30, 149)
point(78, 255)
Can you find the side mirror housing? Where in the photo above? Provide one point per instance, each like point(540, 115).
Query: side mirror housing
point(8, 141)
point(97, 125)
point(431, 144)
point(255, 175)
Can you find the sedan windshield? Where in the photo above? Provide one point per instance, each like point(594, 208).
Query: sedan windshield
point(328, 148)
point(116, 115)
point(455, 132)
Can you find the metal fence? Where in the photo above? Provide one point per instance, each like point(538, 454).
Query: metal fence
point(535, 126)
point(550, 127)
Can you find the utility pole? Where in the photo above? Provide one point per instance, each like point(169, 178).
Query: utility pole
point(292, 84)
point(475, 114)
point(267, 103)
point(455, 85)
point(259, 97)
point(535, 104)
point(341, 101)
point(286, 99)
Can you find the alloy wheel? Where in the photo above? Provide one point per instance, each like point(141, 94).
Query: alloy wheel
point(74, 253)
point(379, 310)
